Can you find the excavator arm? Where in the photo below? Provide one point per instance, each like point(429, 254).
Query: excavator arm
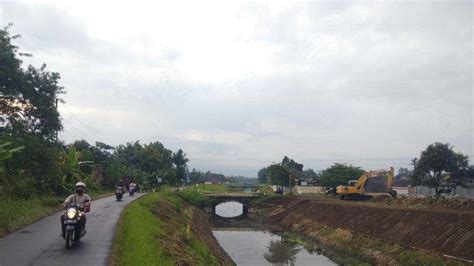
point(361, 182)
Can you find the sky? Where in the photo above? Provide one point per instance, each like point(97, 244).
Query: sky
point(238, 85)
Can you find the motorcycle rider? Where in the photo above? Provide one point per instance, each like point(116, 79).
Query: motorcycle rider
point(131, 187)
point(79, 197)
point(119, 188)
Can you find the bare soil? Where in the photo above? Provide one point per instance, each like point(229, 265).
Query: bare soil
point(442, 228)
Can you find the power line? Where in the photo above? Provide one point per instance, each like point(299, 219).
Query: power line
point(69, 133)
point(72, 134)
point(83, 124)
point(73, 129)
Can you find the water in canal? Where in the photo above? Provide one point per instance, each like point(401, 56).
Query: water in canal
point(258, 247)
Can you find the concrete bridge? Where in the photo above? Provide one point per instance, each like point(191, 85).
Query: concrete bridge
point(243, 198)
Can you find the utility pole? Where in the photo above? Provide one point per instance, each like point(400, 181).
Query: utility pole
point(57, 142)
point(289, 181)
point(57, 131)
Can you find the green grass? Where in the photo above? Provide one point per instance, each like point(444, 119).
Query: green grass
point(210, 188)
point(136, 233)
point(195, 196)
point(17, 213)
point(155, 230)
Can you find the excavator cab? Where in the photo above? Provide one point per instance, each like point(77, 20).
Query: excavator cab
point(352, 183)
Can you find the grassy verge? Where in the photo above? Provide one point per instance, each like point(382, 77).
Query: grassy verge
point(18, 213)
point(155, 230)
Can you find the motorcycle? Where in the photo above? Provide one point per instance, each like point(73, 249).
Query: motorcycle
point(72, 224)
point(131, 192)
point(119, 194)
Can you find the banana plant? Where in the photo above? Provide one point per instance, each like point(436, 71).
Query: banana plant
point(71, 168)
point(6, 153)
point(73, 172)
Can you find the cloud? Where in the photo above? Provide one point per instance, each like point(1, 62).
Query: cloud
point(370, 83)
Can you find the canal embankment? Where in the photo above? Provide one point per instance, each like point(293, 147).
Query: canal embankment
point(376, 234)
point(163, 229)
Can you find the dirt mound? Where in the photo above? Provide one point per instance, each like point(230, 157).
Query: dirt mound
point(429, 203)
point(444, 232)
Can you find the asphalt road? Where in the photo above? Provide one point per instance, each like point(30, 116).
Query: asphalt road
point(40, 243)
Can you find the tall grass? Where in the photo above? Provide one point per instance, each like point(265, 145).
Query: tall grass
point(17, 213)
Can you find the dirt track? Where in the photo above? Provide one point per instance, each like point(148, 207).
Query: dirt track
point(448, 232)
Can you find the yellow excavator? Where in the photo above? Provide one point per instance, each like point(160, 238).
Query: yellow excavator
point(359, 189)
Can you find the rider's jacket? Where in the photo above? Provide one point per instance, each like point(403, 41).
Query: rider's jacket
point(76, 198)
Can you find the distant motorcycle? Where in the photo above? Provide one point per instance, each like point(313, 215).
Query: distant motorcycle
point(119, 194)
point(279, 190)
point(72, 224)
point(132, 187)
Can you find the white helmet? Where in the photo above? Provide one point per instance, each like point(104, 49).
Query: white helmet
point(80, 184)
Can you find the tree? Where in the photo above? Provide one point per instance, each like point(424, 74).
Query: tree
point(443, 169)
point(180, 161)
point(154, 157)
point(38, 167)
point(404, 172)
point(263, 176)
point(282, 252)
point(150, 161)
point(194, 176)
point(6, 152)
point(311, 173)
point(11, 75)
point(291, 164)
point(101, 152)
point(29, 97)
point(129, 154)
point(339, 174)
point(278, 175)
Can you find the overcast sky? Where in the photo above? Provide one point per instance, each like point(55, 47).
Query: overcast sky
point(239, 85)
